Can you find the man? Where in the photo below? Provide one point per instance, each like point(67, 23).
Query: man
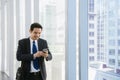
point(32, 52)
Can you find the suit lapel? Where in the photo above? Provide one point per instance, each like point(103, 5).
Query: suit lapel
point(39, 44)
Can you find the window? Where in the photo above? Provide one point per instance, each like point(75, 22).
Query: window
point(112, 61)
point(91, 42)
point(91, 17)
point(15, 19)
point(118, 52)
point(104, 79)
point(91, 58)
point(106, 36)
point(118, 32)
point(91, 26)
point(91, 50)
point(119, 63)
point(91, 6)
point(112, 42)
point(53, 17)
point(111, 51)
point(91, 34)
point(118, 42)
point(111, 33)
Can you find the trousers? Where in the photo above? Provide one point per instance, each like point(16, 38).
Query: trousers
point(34, 76)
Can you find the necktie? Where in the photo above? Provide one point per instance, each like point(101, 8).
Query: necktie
point(35, 61)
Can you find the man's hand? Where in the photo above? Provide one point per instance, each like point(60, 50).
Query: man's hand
point(45, 53)
point(41, 53)
point(38, 54)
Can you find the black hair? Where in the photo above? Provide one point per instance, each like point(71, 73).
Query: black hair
point(35, 25)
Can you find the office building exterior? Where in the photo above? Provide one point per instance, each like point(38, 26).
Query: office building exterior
point(106, 39)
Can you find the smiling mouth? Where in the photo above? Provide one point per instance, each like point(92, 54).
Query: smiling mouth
point(35, 37)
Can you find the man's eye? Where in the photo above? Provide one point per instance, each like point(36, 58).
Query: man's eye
point(35, 33)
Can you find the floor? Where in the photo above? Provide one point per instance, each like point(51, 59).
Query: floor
point(3, 76)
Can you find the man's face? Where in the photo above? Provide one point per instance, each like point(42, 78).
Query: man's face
point(35, 34)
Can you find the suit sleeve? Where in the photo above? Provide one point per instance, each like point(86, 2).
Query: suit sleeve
point(22, 54)
point(49, 53)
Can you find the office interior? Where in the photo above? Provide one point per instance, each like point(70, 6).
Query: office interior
point(64, 27)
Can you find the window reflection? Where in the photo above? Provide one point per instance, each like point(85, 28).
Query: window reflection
point(104, 62)
point(16, 17)
point(52, 17)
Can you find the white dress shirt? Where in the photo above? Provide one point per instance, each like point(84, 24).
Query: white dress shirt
point(31, 45)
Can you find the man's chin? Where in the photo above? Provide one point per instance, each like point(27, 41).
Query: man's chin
point(36, 38)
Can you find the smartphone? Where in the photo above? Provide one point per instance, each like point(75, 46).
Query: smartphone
point(44, 50)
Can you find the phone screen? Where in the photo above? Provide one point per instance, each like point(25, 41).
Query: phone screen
point(44, 50)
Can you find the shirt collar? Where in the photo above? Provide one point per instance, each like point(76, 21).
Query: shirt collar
point(31, 40)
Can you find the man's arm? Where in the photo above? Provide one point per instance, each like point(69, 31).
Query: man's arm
point(22, 54)
point(47, 53)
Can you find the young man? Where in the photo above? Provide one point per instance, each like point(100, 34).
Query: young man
point(32, 52)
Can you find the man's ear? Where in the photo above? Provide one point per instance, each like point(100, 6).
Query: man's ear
point(30, 31)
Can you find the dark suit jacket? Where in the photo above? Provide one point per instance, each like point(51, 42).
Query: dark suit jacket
point(24, 55)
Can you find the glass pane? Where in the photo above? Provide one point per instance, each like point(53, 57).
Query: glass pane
point(0, 54)
point(50, 14)
point(103, 39)
point(52, 17)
